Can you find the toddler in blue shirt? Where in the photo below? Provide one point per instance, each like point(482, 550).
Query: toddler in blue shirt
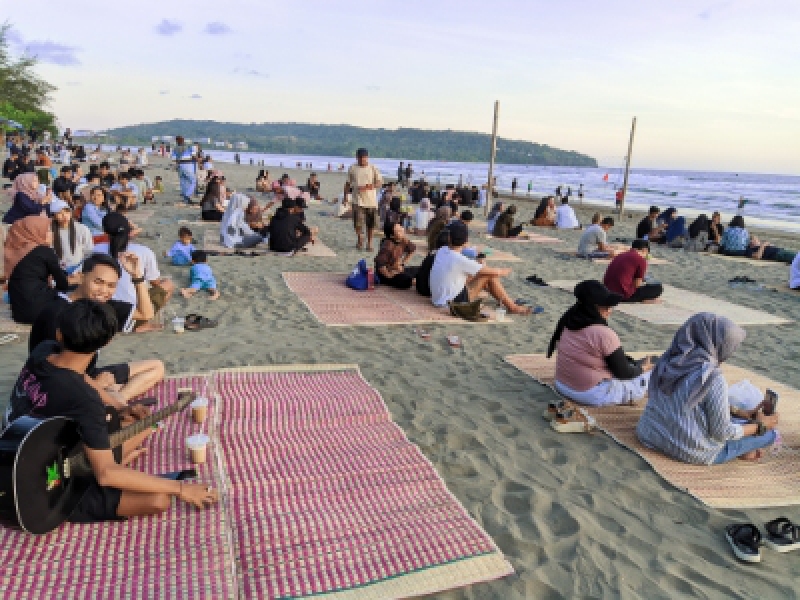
point(181, 251)
point(201, 277)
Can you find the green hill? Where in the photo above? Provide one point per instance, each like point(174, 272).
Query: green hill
point(343, 140)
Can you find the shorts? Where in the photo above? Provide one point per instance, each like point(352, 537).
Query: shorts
point(204, 284)
point(121, 372)
point(98, 504)
point(364, 217)
point(463, 296)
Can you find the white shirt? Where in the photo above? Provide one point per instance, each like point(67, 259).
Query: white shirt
point(565, 217)
point(794, 273)
point(126, 291)
point(449, 275)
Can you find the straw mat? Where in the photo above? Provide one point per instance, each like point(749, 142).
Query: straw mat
point(774, 481)
point(748, 261)
point(7, 324)
point(336, 305)
point(212, 243)
point(677, 305)
point(607, 261)
point(328, 496)
point(493, 255)
point(528, 237)
point(182, 554)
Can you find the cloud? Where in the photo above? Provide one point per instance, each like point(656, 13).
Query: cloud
point(217, 28)
point(53, 53)
point(167, 27)
point(195, 96)
point(163, 92)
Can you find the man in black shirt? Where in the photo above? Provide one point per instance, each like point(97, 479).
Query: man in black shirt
point(53, 383)
point(11, 163)
point(648, 227)
point(107, 178)
point(287, 233)
point(116, 384)
point(63, 186)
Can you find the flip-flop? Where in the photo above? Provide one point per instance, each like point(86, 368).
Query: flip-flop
point(745, 540)
point(555, 407)
point(573, 420)
point(782, 535)
point(197, 322)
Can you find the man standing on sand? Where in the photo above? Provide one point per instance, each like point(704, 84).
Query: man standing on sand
point(514, 186)
point(409, 174)
point(401, 173)
point(363, 179)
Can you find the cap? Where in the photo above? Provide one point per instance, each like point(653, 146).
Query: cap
point(594, 292)
point(115, 223)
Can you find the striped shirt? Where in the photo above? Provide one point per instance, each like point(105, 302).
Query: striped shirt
point(695, 435)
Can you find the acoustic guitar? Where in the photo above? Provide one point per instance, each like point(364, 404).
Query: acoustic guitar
point(44, 472)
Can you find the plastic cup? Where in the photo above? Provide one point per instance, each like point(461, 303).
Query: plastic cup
point(197, 445)
point(500, 314)
point(178, 324)
point(199, 409)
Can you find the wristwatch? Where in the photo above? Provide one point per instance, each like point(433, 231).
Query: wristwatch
point(762, 429)
point(137, 280)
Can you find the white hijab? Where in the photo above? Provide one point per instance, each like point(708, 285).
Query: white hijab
point(233, 226)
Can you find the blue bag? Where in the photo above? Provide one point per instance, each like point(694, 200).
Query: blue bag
point(359, 278)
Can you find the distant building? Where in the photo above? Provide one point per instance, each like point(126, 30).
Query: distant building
point(155, 138)
point(82, 133)
point(241, 145)
point(167, 138)
point(205, 140)
point(220, 144)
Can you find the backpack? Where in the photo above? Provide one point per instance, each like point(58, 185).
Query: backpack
point(359, 278)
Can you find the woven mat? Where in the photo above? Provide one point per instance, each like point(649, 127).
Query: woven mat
point(678, 305)
point(328, 496)
point(749, 261)
point(211, 243)
point(531, 237)
point(494, 254)
point(772, 482)
point(607, 261)
point(336, 305)
point(182, 554)
point(7, 324)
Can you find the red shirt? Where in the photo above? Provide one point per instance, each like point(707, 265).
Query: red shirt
point(622, 272)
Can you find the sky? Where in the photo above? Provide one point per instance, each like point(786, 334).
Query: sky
point(714, 85)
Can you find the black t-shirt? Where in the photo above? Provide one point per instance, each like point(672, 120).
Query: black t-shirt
point(44, 390)
point(44, 328)
point(283, 230)
point(644, 228)
point(108, 180)
point(28, 287)
point(9, 167)
point(62, 184)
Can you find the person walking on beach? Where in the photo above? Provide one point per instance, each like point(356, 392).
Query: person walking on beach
point(514, 186)
point(409, 174)
point(363, 180)
point(401, 172)
point(530, 187)
point(187, 168)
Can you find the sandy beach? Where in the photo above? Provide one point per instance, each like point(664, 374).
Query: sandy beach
point(578, 516)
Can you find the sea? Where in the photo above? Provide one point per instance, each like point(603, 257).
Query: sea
point(771, 201)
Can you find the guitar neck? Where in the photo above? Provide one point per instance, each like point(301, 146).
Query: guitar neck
point(123, 435)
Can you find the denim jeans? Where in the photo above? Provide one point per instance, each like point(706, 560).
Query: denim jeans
point(735, 448)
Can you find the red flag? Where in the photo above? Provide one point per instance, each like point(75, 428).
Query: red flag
point(605, 177)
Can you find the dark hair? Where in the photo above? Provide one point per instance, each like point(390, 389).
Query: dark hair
point(86, 326)
point(199, 256)
point(57, 237)
point(388, 229)
point(737, 221)
point(640, 245)
point(105, 165)
point(124, 174)
point(184, 231)
point(467, 216)
point(100, 259)
point(607, 221)
point(92, 175)
point(654, 209)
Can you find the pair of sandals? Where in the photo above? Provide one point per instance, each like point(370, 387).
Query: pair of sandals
point(536, 280)
point(195, 322)
point(746, 539)
point(567, 417)
point(742, 279)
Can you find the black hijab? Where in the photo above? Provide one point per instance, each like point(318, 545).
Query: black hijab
point(584, 313)
point(698, 226)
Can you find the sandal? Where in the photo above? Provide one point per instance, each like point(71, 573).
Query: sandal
point(555, 407)
point(195, 322)
point(782, 535)
point(573, 420)
point(745, 540)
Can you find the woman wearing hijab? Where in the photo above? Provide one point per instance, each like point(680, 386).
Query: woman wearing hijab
point(26, 199)
point(497, 209)
point(688, 416)
point(698, 234)
point(234, 230)
point(545, 215)
point(30, 262)
point(72, 241)
point(591, 366)
point(443, 215)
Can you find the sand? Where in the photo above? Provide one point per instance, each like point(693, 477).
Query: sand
point(577, 515)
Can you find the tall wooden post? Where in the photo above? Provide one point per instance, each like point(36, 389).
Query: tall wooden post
point(490, 186)
point(627, 168)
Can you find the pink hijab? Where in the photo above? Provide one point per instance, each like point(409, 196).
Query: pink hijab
point(28, 184)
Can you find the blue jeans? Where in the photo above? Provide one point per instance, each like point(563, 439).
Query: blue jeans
point(736, 448)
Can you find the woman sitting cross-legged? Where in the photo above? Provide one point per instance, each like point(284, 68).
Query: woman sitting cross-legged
point(591, 366)
point(688, 416)
point(396, 250)
point(72, 241)
point(504, 227)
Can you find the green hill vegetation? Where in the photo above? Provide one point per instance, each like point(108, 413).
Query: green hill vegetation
point(343, 140)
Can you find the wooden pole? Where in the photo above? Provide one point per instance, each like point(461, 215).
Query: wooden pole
point(627, 168)
point(490, 186)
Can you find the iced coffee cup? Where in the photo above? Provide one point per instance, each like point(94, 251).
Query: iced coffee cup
point(199, 409)
point(178, 324)
point(197, 445)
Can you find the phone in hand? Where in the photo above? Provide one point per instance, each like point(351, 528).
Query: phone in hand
point(770, 402)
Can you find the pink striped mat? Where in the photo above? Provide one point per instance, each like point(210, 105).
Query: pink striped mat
point(183, 554)
point(328, 496)
point(334, 304)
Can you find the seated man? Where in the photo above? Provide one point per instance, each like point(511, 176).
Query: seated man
point(594, 241)
point(565, 216)
point(395, 253)
point(313, 185)
point(649, 228)
point(56, 370)
point(116, 384)
point(626, 273)
point(64, 186)
point(454, 277)
point(287, 232)
point(124, 191)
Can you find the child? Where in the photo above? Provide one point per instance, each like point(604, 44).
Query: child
point(201, 277)
point(158, 185)
point(182, 250)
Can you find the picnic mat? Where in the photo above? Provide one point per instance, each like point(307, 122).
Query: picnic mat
point(181, 554)
point(7, 324)
point(748, 261)
point(773, 481)
point(211, 243)
point(336, 305)
point(328, 497)
point(494, 254)
point(677, 305)
point(531, 238)
point(606, 261)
